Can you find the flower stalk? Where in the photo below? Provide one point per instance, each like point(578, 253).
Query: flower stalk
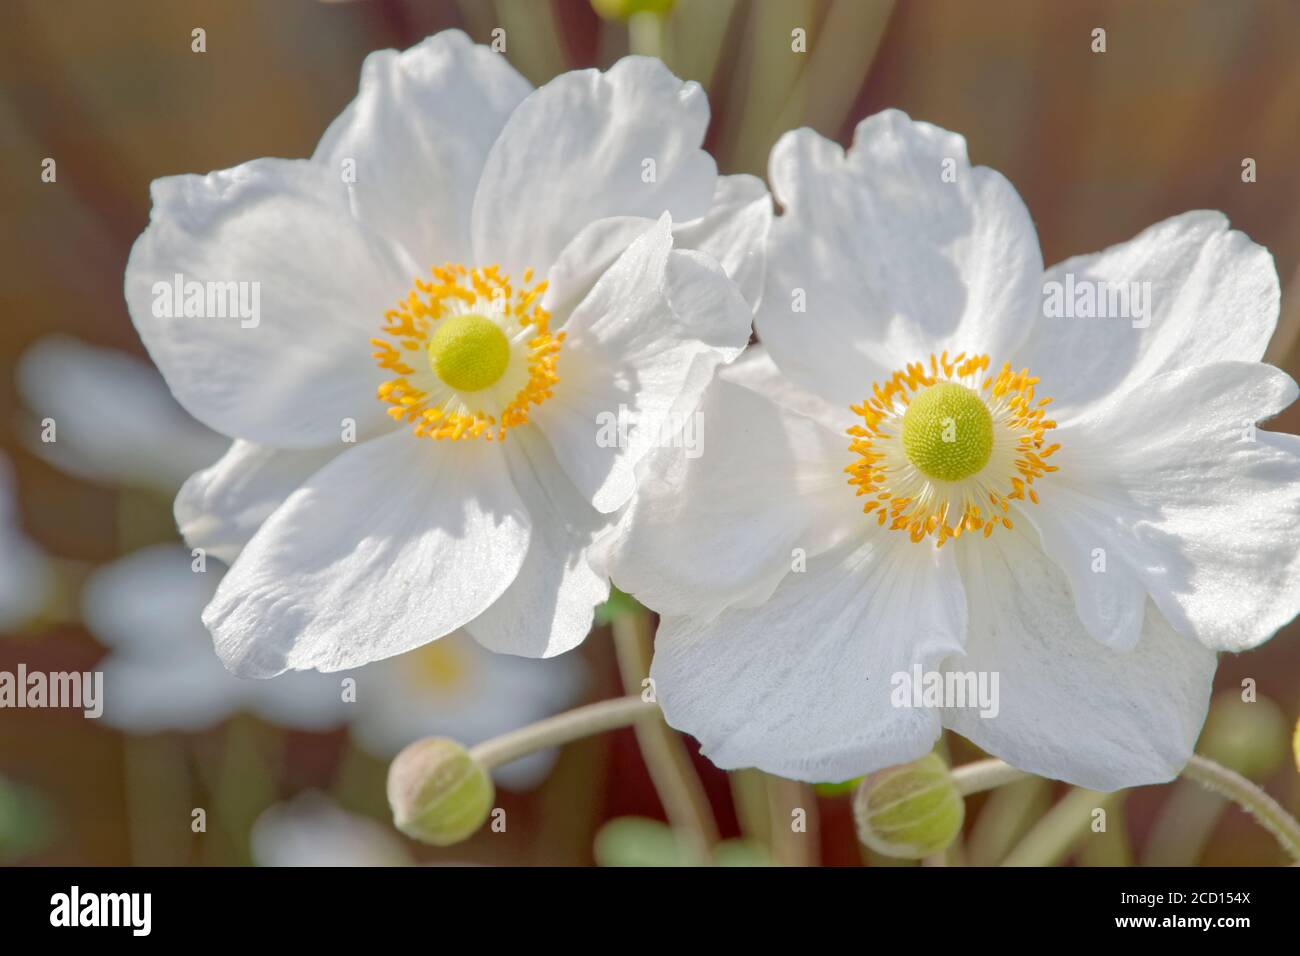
point(1252, 799)
point(680, 791)
point(562, 728)
point(1045, 841)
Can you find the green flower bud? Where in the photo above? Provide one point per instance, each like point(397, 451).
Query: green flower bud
point(909, 811)
point(1248, 737)
point(623, 9)
point(437, 792)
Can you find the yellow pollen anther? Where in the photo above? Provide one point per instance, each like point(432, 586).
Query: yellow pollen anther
point(943, 450)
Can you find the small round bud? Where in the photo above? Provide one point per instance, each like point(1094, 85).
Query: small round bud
point(1248, 737)
point(623, 9)
point(438, 792)
point(909, 811)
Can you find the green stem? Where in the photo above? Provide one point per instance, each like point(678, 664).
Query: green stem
point(680, 791)
point(1042, 840)
point(1250, 798)
point(984, 775)
point(562, 728)
point(646, 35)
point(1052, 837)
point(789, 846)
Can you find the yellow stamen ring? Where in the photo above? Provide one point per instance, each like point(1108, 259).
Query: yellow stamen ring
point(942, 452)
point(488, 354)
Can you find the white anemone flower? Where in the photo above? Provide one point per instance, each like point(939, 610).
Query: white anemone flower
point(26, 577)
point(468, 278)
point(1081, 508)
point(110, 416)
point(313, 830)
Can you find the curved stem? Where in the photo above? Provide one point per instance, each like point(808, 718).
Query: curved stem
point(562, 728)
point(984, 775)
point(680, 791)
point(1250, 798)
point(987, 774)
point(1060, 829)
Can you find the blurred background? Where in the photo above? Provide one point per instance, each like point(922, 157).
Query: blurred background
point(1100, 145)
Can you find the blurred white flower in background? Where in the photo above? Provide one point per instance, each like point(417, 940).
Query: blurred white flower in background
point(312, 830)
point(163, 674)
point(115, 422)
point(456, 688)
point(26, 578)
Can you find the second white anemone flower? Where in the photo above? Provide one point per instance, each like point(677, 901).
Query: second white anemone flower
point(944, 496)
point(420, 331)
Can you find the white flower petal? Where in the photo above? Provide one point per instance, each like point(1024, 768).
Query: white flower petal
point(396, 543)
point(733, 233)
point(587, 146)
point(220, 508)
point(418, 134)
point(1068, 706)
point(721, 527)
point(1213, 297)
point(115, 420)
point(323, 283)
point(800, 687)
point(631, 356)
point(893, 261)
point(1081, 537)
point(549, 607)
point(1210, 506)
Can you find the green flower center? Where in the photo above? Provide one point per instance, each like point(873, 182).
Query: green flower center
point(948, 432)
point(469, 352)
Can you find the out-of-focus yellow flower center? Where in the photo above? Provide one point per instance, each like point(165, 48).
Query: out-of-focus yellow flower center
point(491, 354)
point(441, 665)
point(943, 451)
point(469, 352)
